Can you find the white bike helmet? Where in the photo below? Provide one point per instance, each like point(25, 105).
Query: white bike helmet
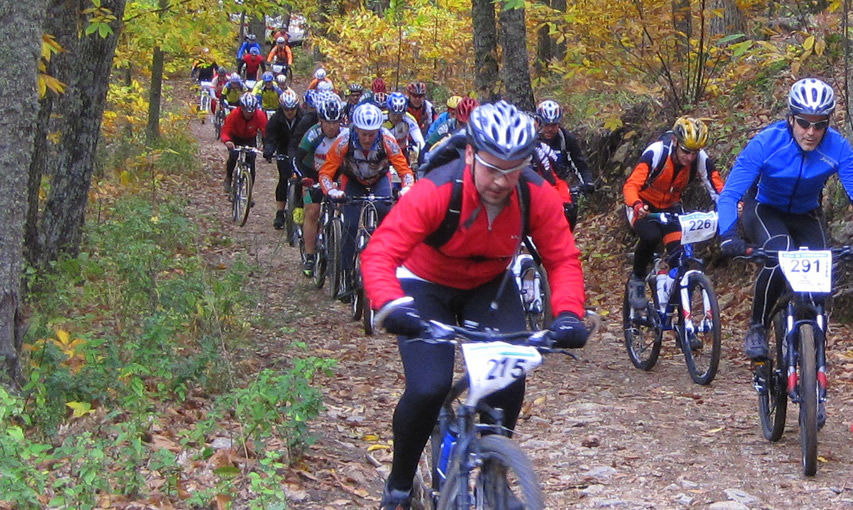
point(320, 73)
point(280, 40)
point(288, 99)
point(249, 102)
point(502, 130)
point(549, 112)
point(330, 109)
point(324, 86)
point(811, 96)
point(367, 116)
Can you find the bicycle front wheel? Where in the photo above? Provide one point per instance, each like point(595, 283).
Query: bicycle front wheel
point(643, 334)
point(808, 399)
point(333, 254)
point(243, 201)
point(701, 341)
point(770, 381)
point(537, 306)
point(504, 480)
point(294, 201)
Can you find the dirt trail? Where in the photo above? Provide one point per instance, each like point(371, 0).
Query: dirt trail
point(660, 441)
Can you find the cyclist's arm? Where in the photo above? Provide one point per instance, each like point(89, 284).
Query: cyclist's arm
point(635, 182)
point(398, 160)
point(273, 135)
point(289, 55)
point(745, 172)
point(550, 231)
point(578, 159)
point(845, 166)
point(414, 131)
point(228, 127)
point(334, 160)
point(709, 175)
point(271, 56)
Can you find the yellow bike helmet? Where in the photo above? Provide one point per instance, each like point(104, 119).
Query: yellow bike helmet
point(453, 101)
point(692, 134)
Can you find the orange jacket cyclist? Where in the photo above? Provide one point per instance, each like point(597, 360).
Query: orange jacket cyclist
point(363, 159)
point(280, 53)
point(656, 184)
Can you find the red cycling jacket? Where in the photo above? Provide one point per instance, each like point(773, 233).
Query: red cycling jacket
point(238, 127)
point(477, 252)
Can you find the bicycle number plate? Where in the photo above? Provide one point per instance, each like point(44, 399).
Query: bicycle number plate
point(493, 366)
point(807, 270)
point(276, 68)
point(698, 226)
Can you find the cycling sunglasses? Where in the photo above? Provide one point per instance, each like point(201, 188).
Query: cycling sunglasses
point(504, 171)
point(686, 150)
point(805, 124)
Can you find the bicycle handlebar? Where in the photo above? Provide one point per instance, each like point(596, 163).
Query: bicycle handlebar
point(759, 254)
point(247, 149)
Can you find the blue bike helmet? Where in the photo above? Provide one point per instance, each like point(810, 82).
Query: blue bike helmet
point(397, 103)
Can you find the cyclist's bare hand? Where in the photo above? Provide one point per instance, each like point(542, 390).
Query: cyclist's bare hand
point(229, 145)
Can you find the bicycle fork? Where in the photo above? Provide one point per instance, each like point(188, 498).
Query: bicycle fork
point(793, 354)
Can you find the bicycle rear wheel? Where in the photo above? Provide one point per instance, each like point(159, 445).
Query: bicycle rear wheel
point(808, 399)
point(701, 346)
point(333, 254)
point(506, 479)
point(289, 74)
point(537, 308)
point(770, 382)
point(643, 334)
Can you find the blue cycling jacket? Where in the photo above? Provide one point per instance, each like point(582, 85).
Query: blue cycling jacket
point(246, 46)
point(789, 178)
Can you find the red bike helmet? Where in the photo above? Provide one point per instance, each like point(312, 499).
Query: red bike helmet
point(378, 85)
point(464, 109)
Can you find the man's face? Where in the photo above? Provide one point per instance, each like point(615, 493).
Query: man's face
point(269, 84)
point(451, 112)
point(366, 137)
point(247, 114)
point(493, 185)
point(809, 137)
point(353, 97)
point(684, 157)
point(549, 131)
point(290, 113)
point(395, 117)
point(331, 128)
point(417, 100)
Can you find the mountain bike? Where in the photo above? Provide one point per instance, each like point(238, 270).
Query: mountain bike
point(329, 236)
point(241, 186)
point(284, 69)
point(796, 335)
point(219, 119)
point(204, 99)
point(368, 221)
point(293, 202)
point(470, 464)
point(533, 287)
point(682, 301)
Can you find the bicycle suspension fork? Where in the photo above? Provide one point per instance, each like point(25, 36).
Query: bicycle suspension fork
point(793, 352)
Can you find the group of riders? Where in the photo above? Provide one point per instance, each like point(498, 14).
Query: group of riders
point(488, 175)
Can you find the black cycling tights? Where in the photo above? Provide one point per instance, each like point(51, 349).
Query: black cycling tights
point(776, 230)
point(651, 233)
point(429, 367)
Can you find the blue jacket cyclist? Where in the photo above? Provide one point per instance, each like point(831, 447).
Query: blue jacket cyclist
point(779, 177)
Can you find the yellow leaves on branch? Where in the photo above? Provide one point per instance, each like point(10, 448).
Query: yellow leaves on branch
point(49, 47)
point(72, 349)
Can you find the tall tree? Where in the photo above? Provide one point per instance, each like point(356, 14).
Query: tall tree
point(85, 68)
point(485, 47)
point(19, 101)
point(543, 44)
point(515, 70)
point(155, 92)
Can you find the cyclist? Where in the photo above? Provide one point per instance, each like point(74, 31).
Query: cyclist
point(378, 85)
point(780, 176)
point(452, 103)
point(268, 92)
point(421, 109)
point(281, 81)
point(570, 158)
point(355, 92)
point(232, 91)
point(656, 184)
point(281, 32)
point(204, 67)
point(451, 146)
point(277, 140)
point(309, 118)
point(280, 54)
point(250, 42)
point(252, 61)
point(380, 99)
point(403, 126)
point(463, 279)
point(216, 86)
point(241, 128)
point(441, 130)
point(311, 155)
point(320, 77)
point(363, 158)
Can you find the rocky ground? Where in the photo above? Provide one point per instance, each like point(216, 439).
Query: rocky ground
point(602, 433)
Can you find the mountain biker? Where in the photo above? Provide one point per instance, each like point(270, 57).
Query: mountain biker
point(204, 66)
point(780, 176)
point(309, 118)
point(441, 130)
point(450, 113)
point(656, 184)
point(268, 92)
point(421, 109)
point(378, 85)
point(250, 42)
point(355, 92)
point(320, 77)
point(280, 54)
point(570, 158)
point(233, 90)
point(241, 128)
point(216, 86)
point(277, 140)
point(402, 125)
point(252, 61)
point(310, 156)
point(362, 158)
point(461, 281)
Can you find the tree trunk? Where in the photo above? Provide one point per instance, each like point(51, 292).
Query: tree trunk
point(85, 68)
point(155, 94)
point(258, 26)
point(543, 46)
point(731, 22)
point(516, 69)
point(682, 22)
point(485, 48)
point(558, 50)
point(20, 103)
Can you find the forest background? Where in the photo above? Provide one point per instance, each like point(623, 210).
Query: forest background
point(110, 313)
